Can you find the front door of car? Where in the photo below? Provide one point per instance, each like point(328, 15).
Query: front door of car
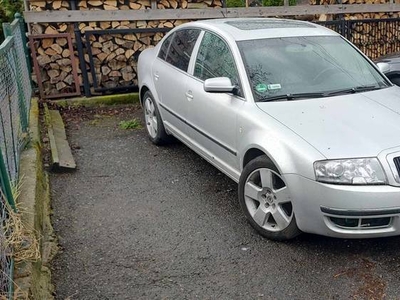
point(170, 76)
point(212, 116)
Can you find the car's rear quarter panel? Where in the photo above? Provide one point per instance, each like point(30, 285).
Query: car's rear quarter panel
point(145, 65)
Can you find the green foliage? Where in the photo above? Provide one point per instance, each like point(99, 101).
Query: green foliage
point(130, 124)
point(235, 3)
point(7, 10)
point(277, 2)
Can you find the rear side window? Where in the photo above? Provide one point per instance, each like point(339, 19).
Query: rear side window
point(164, 47)
point(181, 48)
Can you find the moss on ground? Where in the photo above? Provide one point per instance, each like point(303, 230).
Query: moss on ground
point(100, 100)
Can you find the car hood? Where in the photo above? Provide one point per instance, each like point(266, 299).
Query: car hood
point(354, 125)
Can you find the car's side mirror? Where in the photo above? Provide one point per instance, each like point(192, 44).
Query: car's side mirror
point(383, 67)
point(219, 85)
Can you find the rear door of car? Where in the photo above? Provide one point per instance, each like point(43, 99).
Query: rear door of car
point(212, 117)
point(170, 76)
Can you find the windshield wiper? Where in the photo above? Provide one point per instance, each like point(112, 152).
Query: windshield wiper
point(292, 96)
point(357, 89)
point(353, 90)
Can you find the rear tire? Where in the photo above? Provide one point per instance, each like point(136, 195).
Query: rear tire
point(266, 201)
point(154, 124)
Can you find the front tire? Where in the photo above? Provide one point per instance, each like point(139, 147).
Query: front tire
point(266, 201)
point(154, 124)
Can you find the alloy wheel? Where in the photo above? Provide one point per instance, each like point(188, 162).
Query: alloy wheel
point(150, 117)
point(267, 199)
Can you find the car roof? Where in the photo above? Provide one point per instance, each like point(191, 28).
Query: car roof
point(257, 28)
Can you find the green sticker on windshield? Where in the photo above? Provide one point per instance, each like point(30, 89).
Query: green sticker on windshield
point(275, 86)
point(261, 88)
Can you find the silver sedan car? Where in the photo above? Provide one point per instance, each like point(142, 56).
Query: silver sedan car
point(306, 124)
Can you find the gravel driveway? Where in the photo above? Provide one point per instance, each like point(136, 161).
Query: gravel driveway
point(137, 221)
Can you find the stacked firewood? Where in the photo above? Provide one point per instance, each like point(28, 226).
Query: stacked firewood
point(324, 2)
point(375, 39)
point(54, 60)
point(115, 55)
point(36, 5)
point(358, 16)
point(113, 4)
point(144, 4)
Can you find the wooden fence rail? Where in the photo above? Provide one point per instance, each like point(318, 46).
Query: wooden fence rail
point(194, 14)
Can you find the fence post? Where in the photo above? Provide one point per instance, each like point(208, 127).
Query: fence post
point(23, 111)
point(8, 30)
point(82, 63)
point(20, 19)
point(5, 183)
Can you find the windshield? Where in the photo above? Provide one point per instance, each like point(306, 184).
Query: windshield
point(313, 65)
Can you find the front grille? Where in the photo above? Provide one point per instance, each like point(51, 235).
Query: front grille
point(396, 161)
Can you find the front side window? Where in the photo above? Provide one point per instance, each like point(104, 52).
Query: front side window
point(318, 65)
point(215, 59)
point(164, 47)
point(181, 48)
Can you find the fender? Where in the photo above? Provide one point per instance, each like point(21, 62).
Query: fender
point(288, 151)
point(145, 80)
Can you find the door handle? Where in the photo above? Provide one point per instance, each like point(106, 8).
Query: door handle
point(156, 76)
point(189, 95)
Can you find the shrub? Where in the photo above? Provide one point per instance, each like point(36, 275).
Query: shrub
point(7, 10)
point(235, 3)
point(277, 2)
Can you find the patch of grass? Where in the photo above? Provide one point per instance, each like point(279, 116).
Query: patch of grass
point(21, 239)
point(236, 3)
point(94, 122)
point(277, 2)
point(130, 124)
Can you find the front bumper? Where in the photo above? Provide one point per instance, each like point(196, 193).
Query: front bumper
point(334, 210)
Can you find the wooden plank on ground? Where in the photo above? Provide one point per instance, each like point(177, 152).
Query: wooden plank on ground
point(207, 13)
point(50, 134)
point(61, 155)
point(65, 157)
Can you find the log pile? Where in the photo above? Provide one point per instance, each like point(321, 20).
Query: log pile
point(115, 55)
point(113, 4)
point(375, 39)
point(324, 2)
point(54, 60)
point(36, 5)
point(146, 4)
point(42, 5)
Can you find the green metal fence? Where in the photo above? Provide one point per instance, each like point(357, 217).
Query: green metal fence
point(15, 96)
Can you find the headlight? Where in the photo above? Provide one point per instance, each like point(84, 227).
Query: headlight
point(350, 171)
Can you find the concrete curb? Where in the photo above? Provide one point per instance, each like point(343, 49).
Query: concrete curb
point(100, 100)
point(34, 278)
